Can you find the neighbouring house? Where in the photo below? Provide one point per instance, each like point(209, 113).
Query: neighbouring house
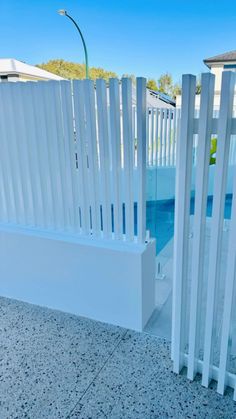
point(15, 70)
point(216, 64)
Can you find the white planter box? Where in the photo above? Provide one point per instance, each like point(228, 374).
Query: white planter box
point(103, 280)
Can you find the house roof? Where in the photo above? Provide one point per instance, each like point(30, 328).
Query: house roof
point(226, 57)
point(159, 100)
point(12, 66)
point(154, 99)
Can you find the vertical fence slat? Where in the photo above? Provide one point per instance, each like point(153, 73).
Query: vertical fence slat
point(152, 134)
point(165, 138)
point(91, 136)
point(169, 122)
point(156, 136)
point(64, 177)
point(128, 167)
point(161, 138)
point(148, 124)
point(46, 200)
point(222, 155)
point(141, 144)
point(13, 185)
point(176, 136)
point(20, 131)
point(51, 115)
point(134, 134)
point(45, 128)
point(203, 153)
point(82, 173)
point(173, 133)
point(182, 207)
point(25, 102)
point(70, 154)
point(115, 127)
point(104, 156)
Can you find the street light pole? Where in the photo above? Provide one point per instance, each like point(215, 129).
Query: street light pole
point(64, 13)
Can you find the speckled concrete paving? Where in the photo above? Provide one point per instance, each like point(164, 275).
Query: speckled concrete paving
point(56, 365)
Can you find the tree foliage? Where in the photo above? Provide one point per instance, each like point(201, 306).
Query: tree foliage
point(70, 70)
point(176, 90)
point(198, 85)
point(152, 84)
point(165, 84)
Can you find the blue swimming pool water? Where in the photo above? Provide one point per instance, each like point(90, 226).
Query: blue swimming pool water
point(160, 218)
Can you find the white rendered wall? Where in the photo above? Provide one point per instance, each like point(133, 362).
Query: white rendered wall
point(105, 281)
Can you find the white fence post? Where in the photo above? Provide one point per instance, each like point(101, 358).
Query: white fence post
point(182, 208)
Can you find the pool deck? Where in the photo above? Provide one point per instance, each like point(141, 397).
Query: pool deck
point(56, 365)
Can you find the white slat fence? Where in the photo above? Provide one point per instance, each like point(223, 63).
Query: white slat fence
point(61, 167)
point(204, 289)
point(163, 127)
point(162, 133)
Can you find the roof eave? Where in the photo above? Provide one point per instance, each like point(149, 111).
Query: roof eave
point(208, 63)
point(27, 75)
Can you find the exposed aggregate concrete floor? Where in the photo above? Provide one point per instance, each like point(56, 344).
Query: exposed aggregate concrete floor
point(57, 365)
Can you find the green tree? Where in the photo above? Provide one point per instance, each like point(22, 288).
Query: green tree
point(165, 84)
point(70, 70)
point(198, 85)
point(152, 84)
point(176, 90)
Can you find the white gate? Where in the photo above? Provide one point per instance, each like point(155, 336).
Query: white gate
point(204, 314)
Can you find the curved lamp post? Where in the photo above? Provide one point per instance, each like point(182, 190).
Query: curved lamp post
point(64, 13)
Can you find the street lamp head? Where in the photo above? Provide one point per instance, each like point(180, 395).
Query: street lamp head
point(62, 12)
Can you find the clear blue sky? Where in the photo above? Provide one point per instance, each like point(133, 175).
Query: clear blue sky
point(145, 37)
